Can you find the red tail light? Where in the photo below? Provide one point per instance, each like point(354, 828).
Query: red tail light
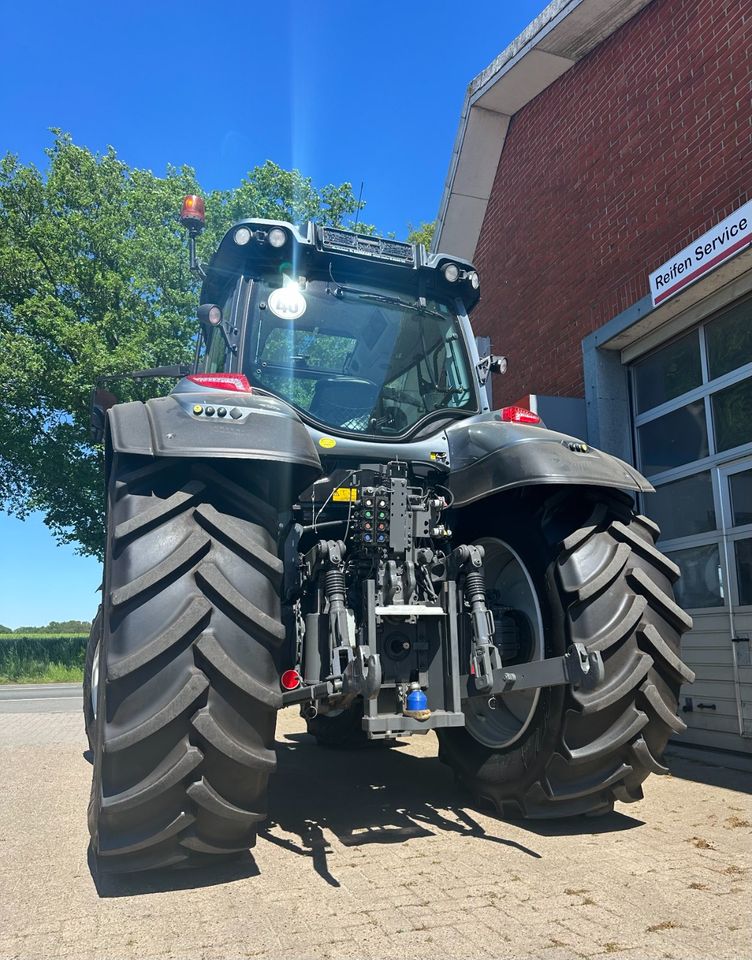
point(290, 680)
point(518, 415)
point(222, 381)
point(193, 211)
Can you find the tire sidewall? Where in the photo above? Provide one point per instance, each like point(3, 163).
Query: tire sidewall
point(96, 742)
point(93, 646)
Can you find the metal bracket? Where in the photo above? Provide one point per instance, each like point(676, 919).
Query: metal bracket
point(316, 691)
point(488, 365)
point(466, 563)
point(578, 667)
point(361, 677)
point(408, 610)
point(363, 674)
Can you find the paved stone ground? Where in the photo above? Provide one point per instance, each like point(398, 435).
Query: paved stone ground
point(376, 854)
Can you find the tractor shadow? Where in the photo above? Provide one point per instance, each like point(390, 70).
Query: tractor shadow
point(110, 886)
point(385, 796)
point(369, 795)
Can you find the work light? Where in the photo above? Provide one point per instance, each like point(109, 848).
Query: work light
point(277, 237)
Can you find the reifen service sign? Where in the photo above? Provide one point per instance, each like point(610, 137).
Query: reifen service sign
point(702, 255)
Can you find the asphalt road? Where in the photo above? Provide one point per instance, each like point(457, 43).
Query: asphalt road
point(40, 698)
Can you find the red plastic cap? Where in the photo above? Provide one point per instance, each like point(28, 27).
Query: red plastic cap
point(290, 680)
point(518, 415)
point(193, 210)
point(222, 381)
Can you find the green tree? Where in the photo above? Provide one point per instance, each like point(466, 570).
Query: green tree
point(422, 234)
point(55, 627)
point(94, 279)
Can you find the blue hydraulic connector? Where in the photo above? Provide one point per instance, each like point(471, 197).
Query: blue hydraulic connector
point(416, 700)
point(416, 703)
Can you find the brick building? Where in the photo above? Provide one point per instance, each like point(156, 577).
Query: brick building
point(601, 181)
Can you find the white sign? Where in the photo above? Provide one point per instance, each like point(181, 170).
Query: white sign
point(702, 255)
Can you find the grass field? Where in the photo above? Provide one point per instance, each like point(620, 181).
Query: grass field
point(42, 658)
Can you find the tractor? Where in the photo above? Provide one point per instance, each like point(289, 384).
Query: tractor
point(327, 512)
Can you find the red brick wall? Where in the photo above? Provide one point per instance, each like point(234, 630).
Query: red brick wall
point(640, 147)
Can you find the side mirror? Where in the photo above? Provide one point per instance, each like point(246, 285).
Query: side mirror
point(101, 400)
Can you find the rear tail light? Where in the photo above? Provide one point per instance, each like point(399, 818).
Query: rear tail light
point(290, 680)
point(518, 415)
point(222, 381)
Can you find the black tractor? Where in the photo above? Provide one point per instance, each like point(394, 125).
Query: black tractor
point(328, 513)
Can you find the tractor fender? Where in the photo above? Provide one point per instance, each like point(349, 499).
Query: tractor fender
point(488, 456)
point(256, 428)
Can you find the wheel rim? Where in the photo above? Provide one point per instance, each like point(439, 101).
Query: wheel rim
point(504, 724)
point(94, 682)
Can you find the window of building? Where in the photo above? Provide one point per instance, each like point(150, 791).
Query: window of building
point(743, 556)
point(669, 372)
point(701, 582)
point(674, 439)
point(741, 498)
point(729, 340)
point(682, 508)
point(732, 415)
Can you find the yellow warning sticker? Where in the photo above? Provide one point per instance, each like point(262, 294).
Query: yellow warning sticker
point(327, 443)
point(345, 494)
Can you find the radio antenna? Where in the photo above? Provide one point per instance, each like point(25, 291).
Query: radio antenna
point(360, 198)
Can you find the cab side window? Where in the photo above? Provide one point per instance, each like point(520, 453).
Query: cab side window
point(216, 359)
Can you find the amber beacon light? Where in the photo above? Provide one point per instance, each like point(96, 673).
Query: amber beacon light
point(193, 213)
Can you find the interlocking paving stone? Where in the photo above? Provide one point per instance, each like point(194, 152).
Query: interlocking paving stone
point(378, 854)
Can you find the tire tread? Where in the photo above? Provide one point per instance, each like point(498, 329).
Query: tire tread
point(168, 787)
point(595, 746)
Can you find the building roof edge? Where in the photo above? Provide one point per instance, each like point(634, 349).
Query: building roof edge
point(561, 35)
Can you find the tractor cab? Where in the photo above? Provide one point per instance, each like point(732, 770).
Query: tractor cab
point(361, 335)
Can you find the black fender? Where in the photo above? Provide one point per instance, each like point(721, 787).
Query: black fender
point(489, 456)
point(256, 428)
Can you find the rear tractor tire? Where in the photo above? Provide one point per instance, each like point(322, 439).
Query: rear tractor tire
point(189, 648)
point(341, 730)
point(594, 576)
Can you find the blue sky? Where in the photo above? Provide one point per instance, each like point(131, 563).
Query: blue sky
point(342, 90)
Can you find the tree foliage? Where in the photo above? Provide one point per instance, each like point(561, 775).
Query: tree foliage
point(53, 628)
point(421, 234)
point(94, 279)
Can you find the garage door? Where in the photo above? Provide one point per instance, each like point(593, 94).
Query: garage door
point(692, 409)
